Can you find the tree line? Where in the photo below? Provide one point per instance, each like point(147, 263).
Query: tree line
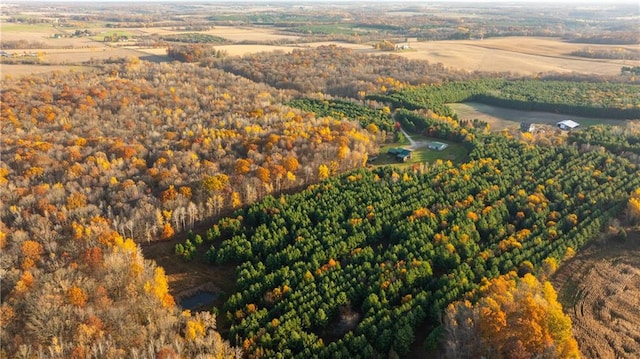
point(619, 140)
point(590, 99)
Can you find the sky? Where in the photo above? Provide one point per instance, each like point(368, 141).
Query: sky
point(425, 2)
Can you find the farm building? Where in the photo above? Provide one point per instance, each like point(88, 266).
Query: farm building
point(401, 154)
point(438, 146)
point(567, 125)
point(527, 127)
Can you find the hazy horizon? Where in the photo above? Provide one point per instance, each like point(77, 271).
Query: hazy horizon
point(590, 2)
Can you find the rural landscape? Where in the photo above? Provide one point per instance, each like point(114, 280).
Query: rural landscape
point(340, 179)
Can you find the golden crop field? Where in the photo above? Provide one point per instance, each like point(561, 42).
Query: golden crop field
point(526, 55)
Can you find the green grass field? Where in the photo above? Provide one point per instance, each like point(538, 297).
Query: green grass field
point(455, 152)
point(14, 27)
point(100, 37)
point(327, 29)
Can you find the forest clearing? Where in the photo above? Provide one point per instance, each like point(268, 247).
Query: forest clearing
point(500, 118)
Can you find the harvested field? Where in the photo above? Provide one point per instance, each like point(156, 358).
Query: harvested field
point(526, 55)
point(44, 34)
point(245, 49)
point(26, 31)
point(21, 70)
point(249, 34)
point(93, 53)
point(348, 45)
point(231, 33)
point(600, 290)
point(241, 50)
point(503, 118)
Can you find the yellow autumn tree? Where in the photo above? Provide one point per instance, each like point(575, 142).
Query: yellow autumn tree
point(291, 177)
point(215, 183)
point(159, 286)
point(235, 200)
point(194, 329)
point(323, 172)
point(633, 206)
point(515, 318)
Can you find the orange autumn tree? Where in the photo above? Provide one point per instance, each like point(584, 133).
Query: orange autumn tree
point(514, 318)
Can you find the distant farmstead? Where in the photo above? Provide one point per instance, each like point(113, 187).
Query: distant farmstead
point(438, 146)
point(567, 125)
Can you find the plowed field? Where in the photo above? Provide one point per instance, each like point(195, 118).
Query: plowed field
point(600, 290)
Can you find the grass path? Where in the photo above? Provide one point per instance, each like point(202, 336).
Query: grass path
point(500, 118)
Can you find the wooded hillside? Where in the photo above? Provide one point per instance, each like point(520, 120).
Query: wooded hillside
point(136, 151)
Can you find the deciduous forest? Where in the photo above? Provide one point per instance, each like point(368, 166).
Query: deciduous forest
point(262, 162)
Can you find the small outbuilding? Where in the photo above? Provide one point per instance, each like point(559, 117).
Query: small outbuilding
point(401, 154)
point(567, 125)
point(438, 146)
point(527, 127)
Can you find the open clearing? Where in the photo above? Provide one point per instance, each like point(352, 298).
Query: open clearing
point(525, 55)
point(455, 152)
point(503, 118)
point(600, 290)
point(187, 278)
